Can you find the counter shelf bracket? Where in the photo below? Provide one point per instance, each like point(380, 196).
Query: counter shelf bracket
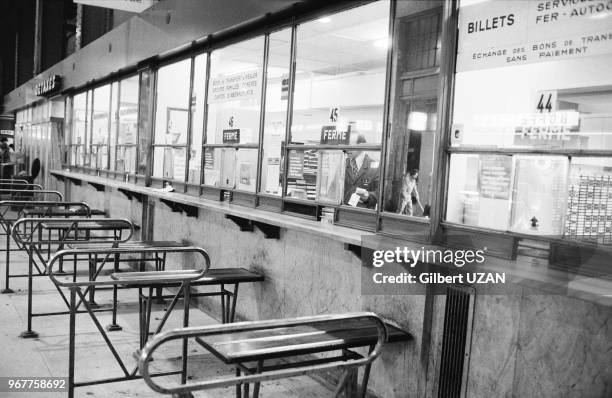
point(245, 224)
point(98, 187)
point(357, 250)
point(130, 195)
point(270, 231)
point(190, 211)
point(75, 181)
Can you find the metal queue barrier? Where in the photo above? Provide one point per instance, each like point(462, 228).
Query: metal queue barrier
point(220, 277)
point(9, 183)
point(139, 280)
point(37, 208)
point(41, 195)
point(35, 233)
point(255, 342)
point(27, 192)
point(157, 258)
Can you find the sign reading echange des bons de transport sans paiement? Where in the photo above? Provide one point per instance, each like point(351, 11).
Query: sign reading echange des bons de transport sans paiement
point(516, 32)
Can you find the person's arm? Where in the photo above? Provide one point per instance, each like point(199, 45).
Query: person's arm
point(370, 196)
point(416, 196)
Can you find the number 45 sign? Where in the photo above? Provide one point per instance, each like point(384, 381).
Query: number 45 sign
point(546, 101)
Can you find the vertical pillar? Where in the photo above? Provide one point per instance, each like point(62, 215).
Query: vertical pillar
point(78, 36)
point(16, 78)
point(37, 38)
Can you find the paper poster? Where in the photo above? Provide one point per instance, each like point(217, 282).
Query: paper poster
point(296, 164)
point(331, 177)
point(494, 176)
point(179, 160)
point(209, 158)
point(246, 169)
point(505, 33)
point(272, 176)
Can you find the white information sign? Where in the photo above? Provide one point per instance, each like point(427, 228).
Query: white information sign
point(235, 87)
point(501, 33)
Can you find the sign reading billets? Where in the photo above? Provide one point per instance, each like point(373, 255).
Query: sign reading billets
point(235, 87)
point(48, 86)
point(506, 33)
point(330, 135)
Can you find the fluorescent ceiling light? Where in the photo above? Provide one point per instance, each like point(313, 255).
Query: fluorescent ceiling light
point(324, 20)
point(417, 121)
point(381, 43)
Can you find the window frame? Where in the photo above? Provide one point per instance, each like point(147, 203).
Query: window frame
point(235, 195)
point(434, 230)
point(178, 185)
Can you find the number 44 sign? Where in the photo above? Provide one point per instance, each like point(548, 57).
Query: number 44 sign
point(546, 101)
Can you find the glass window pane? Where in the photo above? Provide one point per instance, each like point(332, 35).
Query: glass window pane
point(302, 173)
point(527, 87)
point(172, 164)
point(246, 169)
point(79, 125)
point(340, 76)
point(539, 194)
point(172, 103)
point(361, 179)
point(234, 93)
point(413, 109)
point(197, 118)
point(100, 127)
point(128, 123)
point(212, 165)
point(525, 193)
point(277, 94)
point(171, 120)
point(479, 185)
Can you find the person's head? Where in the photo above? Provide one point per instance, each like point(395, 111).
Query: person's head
point(12, 146)
point(414, 173)
point(361, 139)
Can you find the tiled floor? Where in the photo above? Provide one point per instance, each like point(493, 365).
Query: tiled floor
point(47, 355)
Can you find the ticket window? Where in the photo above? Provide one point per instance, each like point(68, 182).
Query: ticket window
point(531, 114)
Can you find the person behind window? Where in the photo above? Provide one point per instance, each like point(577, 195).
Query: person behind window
point(409, 194)
point(12, 154)
point(4, 151)
point(361, 179)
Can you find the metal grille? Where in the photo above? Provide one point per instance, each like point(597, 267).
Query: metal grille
point(423, 42)
point(589, 210)
point(455, 338)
